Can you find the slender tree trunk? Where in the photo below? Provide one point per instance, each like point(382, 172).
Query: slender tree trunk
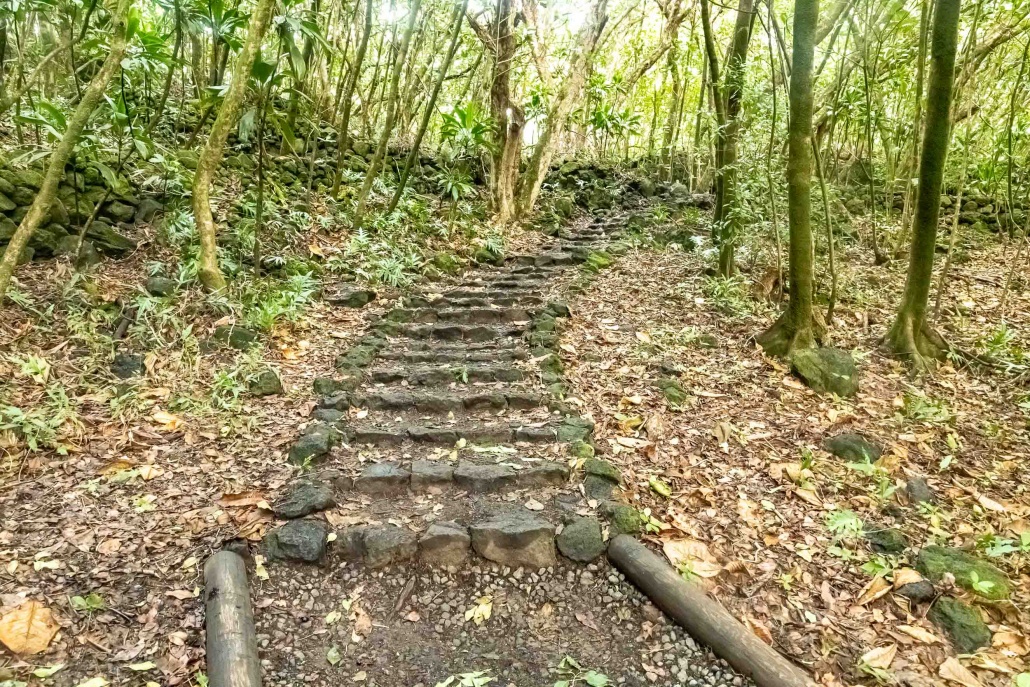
point(911, 336)
point(391, 114)
point(773, 213)
point(797, 326)
point(423, 126)
point(211, 156)
point(508, 117)
point(61, 154)
point(343, 138)
point(156, 117)
point(913, 158)
point(564, 102)
point(734, 88)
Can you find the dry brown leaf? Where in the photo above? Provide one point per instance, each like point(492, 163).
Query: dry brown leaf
point(903, 576)
point(881, 657)
point(990, 504)
point(759, 629)
point(919, 634)
point(692, 554)
point(876, 588)
point(244, 498)
point(954, 671)
point(29, 628)
point(166, 420)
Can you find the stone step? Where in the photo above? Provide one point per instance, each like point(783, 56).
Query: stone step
point(492, 292)
point(442, 375)
point(483, 476)
point(506, 344)
point(557, 258)
point(382, 434)
point(460, 315)
point(455, 356)
point(454, 332)
point(446, 303)
point(449, 402)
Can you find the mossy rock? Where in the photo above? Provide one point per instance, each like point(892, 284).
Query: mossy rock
point(602, 468)
point(962, 623)
point(597, 261)
point(266, 383)
point(236, 337)
point(826, 370)
point(446, 263)
point(853, 448)
point(6, 204)
point(622, 518)
point(934, 561)
point(574, 429)
point(887, 540)
point(485, 256)
point(109, 241)
point(581, 449)
point(673, 391)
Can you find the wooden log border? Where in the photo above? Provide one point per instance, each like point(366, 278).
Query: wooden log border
point(232, 653)
point(704, 618)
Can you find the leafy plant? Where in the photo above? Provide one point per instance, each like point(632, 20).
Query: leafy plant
point(476, 679)
point(572, 674)
point(728, 295)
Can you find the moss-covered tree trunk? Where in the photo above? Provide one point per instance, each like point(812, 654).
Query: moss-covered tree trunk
point(797, 326)
point(564, 102)
point(391, 114)
point(430, 107)
point(211, 156)
point(62, 153)
point(734, 89)
point(910, 336)
point(343, 137)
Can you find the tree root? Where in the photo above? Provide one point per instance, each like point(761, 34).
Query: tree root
point(786, 335)
point(919, 344)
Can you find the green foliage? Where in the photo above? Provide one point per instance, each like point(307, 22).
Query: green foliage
point(573, 674)
point(467, 130)
point(728, 295)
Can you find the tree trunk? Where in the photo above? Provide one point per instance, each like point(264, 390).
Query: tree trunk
point(61, 154)
point(391, 114)
point(156, 116)
point(911, 336)
point(423, 126)
point(343, 138)
point(508, 116)
point(211, 156)
point(564, 102)
point(797, 327)
point(730, 216)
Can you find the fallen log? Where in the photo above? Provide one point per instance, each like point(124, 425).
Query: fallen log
point(232, 653)
point(704, 618)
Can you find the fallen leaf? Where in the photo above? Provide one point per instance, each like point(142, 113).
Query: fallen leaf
point(94, 682)
point(918, 633)
point(954, 671)
point(413, 617)
point(876, 588)
point(45, 672)
point(533, 504)
point(693, 555)
point(29, 628)
point(481, 612)
point(333, 656)
point(881, 657)
point(359, 676)
point(166, 420)
point(903, 576)
point(140, 667)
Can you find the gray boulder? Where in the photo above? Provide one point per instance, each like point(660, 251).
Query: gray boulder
point(581, 540)
point(383, 479)
point(386, 545)
point(516, 540)
point(826, 370)
point(298, 540)
point(304, 497)
point(445, 545)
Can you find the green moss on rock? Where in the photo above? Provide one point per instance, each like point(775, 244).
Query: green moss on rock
point(934, 561)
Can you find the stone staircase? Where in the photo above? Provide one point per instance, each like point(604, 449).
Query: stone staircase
point(445, 433)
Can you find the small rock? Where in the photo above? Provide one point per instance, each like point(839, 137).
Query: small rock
point(481, 479)
point(426, 474)
point(575, 429)
point(919, 491)
point(581, 449)
point(303, 498)
point(266, 383)
point(386, 545)
point(235, 336)
point(581, 540)
point(328, 415)
point(351, 297)
point(445, 545)
point(826, 370)
point(515, 539)
point(300, 540)
point(934, 561)
point(147, 210)
point(622, 518)
point(886, 540)
point(673, 391)
point(545, 473)
point(598, 488)
point(383, 479)
point(126, 365)
point(316, 441)
point(962, 623)
point(327, 386)
point(920, 592)
point(602, 468)
point(160, 286)
point(853, 447)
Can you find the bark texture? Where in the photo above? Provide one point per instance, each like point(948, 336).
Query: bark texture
point(797, 327)
point(910, 336)
point(211, 156)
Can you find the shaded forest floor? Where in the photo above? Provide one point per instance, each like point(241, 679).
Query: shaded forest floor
point(137, 481)
point(755, 492)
